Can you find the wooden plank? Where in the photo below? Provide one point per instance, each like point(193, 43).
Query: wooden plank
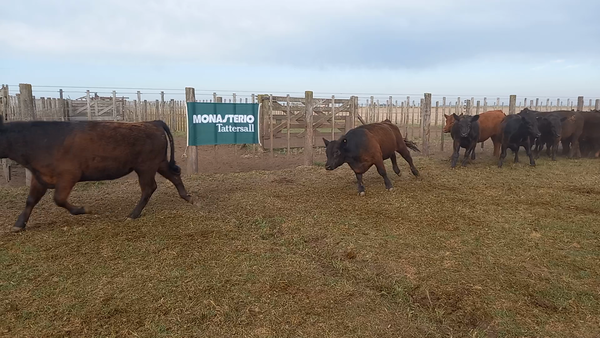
point(512, 104)
point(192, 151)
point(580, 103)
point(5, 102)
point(332, 120)
point(597, 105)
point(426, 123)
point(443, 123)
point(26, 105)
point(271, 121)
point(308, 140)
point(114, 105)
point(288, 124)
point(88, 105)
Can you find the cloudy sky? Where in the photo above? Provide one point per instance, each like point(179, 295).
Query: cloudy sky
point(390, 47)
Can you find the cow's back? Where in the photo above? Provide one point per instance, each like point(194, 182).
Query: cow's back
point(369, 138)
point(489, 124)
point(92, 150)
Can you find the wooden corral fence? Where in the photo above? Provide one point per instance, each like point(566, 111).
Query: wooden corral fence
point(287, 122)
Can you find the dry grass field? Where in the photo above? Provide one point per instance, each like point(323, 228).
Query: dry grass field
point(471, 252)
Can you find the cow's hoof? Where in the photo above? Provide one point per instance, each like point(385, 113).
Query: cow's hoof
point(390, 189)
point(17, 229)
point(362, 193)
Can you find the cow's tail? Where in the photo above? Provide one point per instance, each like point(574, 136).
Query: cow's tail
point(411, 145)
point(172, 165)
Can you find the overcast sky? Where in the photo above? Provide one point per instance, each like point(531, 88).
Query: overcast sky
point(390, 47)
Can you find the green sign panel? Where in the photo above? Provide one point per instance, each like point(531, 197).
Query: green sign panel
point(222, 123)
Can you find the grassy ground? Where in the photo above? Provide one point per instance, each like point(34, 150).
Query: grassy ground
point(476, 251)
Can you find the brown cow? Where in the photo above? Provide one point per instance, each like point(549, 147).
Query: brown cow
point(368, 145)
point(572, 129)
point(489, 127)
point(60, 154)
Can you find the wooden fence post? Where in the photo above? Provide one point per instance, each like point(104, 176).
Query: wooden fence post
point(426, 122)
point(27, 113)
point(4, 103)
point(597, 106)
point(468, 108)
point(512, 104)
point(62, 106)
point(271, 136)
point(308, 140)
point(162, 106)
point(332, 117)
point(192, 151)
point(4, 108)
point(138, 112)
point(485, 105)
point(289, 121)
point(580, 103)
point(443, 122)
point(354, 113)
point(114, 102)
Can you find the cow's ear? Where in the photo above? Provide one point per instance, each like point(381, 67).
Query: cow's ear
point(326, 142)
point(456, 118)
point(475, 118)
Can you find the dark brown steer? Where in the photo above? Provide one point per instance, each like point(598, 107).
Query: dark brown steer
point(590, 137)
point(60, 154)
point(368, 145)
point(571, 129)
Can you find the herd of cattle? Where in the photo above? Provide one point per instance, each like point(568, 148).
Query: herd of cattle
point(368, 145)
point(59, 154)
point(579, 133)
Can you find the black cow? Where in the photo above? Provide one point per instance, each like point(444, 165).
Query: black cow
point(550, 126)
point(465, 133)
point(517, 130)
point(368, 145)
point(60, 154)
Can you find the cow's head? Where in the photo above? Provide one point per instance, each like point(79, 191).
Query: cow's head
point(531, 122)
point(465, 124)
point(449, 122)
point(335, 153)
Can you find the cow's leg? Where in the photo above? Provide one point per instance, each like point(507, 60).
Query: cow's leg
point(502, 155)
point(529, 153)
point(381, 170)
point(62, 191)
point(576, 151)
point(148, 186)
point(538, 146)
point(470, 150)
point(516, 151)
point(36, 192)
point(395, 164)
point(566, 149)
point(405, 153)
point(455, 153)
point(555, 149)
point(175, 178)
point(359, 182)
point(497, 145)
